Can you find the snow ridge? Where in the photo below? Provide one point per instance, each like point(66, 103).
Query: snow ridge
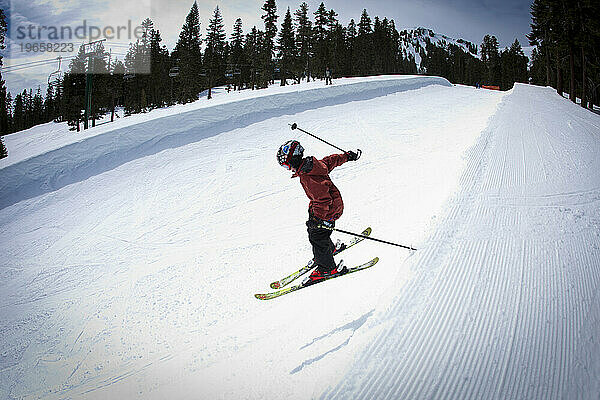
point(80, 160)
point(505, 295)
point(414, 42)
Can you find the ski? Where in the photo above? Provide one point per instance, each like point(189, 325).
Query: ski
point(285, 281)
point(269, 296)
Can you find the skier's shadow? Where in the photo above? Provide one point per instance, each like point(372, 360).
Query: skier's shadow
point(352, 326)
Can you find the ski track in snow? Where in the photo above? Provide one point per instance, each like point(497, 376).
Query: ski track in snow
point(504, 302)
point(137, 281)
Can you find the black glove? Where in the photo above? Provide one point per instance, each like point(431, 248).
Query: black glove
point(316, 223)
point(352, 156)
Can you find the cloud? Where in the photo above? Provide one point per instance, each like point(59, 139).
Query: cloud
point(507, 19)
point(16, 83)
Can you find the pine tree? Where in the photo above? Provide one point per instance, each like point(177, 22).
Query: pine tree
point(29, 116)
point(214, 56)
point(37, 108)
point(320, 45)
point(188, 52)
point(100, 93)
point(137, 82)
point(9, 109)
point(351, 49)
point(58, 101)
point(379, 45)
point(541, 34)
point(49, 105)
point(252, 50)
point(261, 62)
point(237, 58)
point(303, 40)
point(491, 59)
point(133, 82)
point(159, 82)
point(138, 62)
point(398, 58)
point(287, 48)
point(74, 91)
point(19, 112)
point(514, 66)
point(364, 46)
point(145, 66)
point(270, 19)
point(337, 45)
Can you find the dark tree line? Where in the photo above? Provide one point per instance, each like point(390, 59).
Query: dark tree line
point(303, 45)
point(566, 34)
point(493, 67)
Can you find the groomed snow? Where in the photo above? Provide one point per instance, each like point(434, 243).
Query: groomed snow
point(504, 302)
point(42, 160)
point(135, 278)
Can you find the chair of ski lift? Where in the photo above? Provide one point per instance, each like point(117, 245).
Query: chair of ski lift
point(55, 77)
point(129, 75)
point(229, 74)
point(174, 71)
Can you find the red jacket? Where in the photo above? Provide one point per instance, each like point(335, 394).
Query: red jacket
point(325, 199)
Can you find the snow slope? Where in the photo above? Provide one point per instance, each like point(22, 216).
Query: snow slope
point(136, 278)
point(505, 299)
point(79, 156)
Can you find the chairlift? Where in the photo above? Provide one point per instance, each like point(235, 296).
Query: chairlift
point(55, 77)
point(229, 74)
point(202, 72)
point(129, 74)
point(174, 71)
point(237, 71)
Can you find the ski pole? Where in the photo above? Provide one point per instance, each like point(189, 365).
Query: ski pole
point(367, 237)
point(295, 126)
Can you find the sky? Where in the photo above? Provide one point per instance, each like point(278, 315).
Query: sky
point(467, 19)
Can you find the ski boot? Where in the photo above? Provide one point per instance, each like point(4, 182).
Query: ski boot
point(317, 275)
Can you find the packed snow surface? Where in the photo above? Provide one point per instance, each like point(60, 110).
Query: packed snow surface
point(131, 252)
point(65, 159)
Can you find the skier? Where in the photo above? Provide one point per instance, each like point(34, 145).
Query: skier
point(328, 80)
point(325, 206)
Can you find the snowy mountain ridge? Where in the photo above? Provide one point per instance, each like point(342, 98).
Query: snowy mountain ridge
point(414, 42)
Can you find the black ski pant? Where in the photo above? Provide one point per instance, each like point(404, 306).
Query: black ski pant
point(322, 247)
